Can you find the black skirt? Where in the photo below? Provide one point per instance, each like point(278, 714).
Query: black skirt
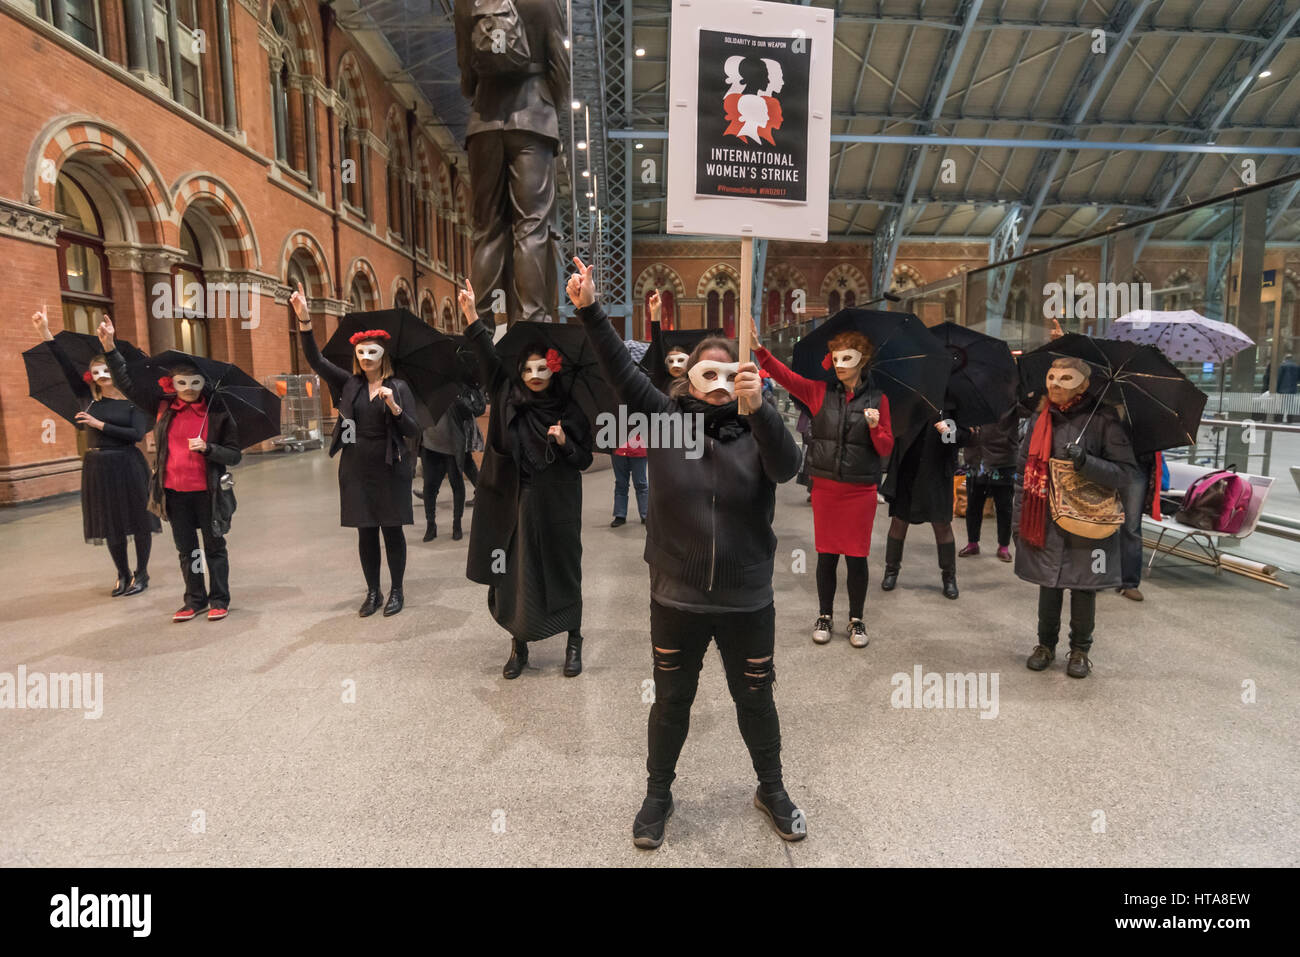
point(541, 594)
point(115, 495)
point(372, 492)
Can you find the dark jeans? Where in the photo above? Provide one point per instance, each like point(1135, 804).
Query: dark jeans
point(190, 514)
point(977, 493)
point(1083, 616)
point(678, 642)
point(626, 467)
point(436, 465)
point(1130, 534)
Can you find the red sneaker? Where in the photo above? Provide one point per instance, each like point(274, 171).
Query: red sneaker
point(185, 614)
point(217, 614)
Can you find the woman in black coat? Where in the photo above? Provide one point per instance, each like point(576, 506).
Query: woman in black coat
point(526, 541)
point(990, 458)
point(376, 418)
point(919, 490)
point(711, 552)
point(114, 474)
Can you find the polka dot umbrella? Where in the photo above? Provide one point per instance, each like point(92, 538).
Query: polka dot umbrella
point(1183, 336)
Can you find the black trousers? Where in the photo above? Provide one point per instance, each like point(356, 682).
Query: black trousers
point(190, 514)
point(436, 466)
point(745, 641)
point(513, 203)
point(1083, 616)
point(977, 493)
point(827, 572)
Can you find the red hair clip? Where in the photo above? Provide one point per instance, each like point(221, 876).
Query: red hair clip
point(828, 362)
point(88, 377)
point(165, 383)
point(368, 334)
point(554, 361)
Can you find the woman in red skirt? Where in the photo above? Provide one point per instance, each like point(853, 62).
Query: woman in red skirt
point(848, 444)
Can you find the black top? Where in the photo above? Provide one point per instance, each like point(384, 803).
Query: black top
point(839, 442)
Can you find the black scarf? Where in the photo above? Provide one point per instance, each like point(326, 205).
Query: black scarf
point(535, 413)
point(721, 422)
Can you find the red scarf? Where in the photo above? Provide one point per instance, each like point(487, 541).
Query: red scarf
point(1033, 503)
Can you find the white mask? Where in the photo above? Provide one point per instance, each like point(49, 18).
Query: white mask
point(99, 372)
point(536, 369)
point(370, 350)
point(186, 383)
point(711, 374)
point(846, 358)
point(676, 361)
point(1067, 379)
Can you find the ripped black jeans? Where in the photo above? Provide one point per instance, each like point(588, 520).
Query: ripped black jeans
point(745, 640)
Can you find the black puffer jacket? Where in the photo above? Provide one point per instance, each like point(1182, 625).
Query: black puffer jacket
point(839, 442)
point(709, 540)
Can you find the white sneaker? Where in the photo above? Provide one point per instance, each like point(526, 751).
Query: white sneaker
point(857, 633)
point(822, 630)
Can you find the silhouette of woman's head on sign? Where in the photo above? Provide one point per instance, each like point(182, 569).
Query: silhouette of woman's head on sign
point(753, 74)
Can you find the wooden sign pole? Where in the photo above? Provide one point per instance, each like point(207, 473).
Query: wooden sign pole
point(746, 314)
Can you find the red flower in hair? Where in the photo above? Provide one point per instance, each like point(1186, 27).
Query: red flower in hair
point(368, 334)
point(828, 361)
point(88, 377)
point(165, 383)
point(554, 361)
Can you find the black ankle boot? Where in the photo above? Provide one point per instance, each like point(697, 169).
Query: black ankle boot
point(394, 604)
point(893, 562)
point(374, 598)
point(456, 533)
point(139, 582)
point(573, 655)
point(948, 568)
point(123, 583)
point(514, 667)
point(430, 532)
point(648, 828)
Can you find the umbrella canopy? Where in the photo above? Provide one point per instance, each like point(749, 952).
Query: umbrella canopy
point(984, 376)
point(1161, 404)
point(579, 377)
point(909, 365)
point(1183, 336)
point(54, 371)
point(423, 356)
point(255, 408)
point(664, 341)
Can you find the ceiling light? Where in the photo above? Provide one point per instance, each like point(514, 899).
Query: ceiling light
point(566, 43)
point(586, 172)
point(576, 105)
point(640, 51)
point(590, 195)
point(640, 146)
point(582, 144)
point(1265, 74)
point(592, 207)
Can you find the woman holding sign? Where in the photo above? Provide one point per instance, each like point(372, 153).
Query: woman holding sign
point(849, 442)
point(710, 549)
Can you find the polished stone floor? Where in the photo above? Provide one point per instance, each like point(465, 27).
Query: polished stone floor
point(295, 733)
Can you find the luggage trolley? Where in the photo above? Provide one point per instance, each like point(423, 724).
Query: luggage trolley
point(300, 418)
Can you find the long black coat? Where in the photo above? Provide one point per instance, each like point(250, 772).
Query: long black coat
point(526, 540)
point(1065, 560)
point(919, 484)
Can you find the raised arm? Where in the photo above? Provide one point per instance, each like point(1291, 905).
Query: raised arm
point(479, 335)
point(334, 376)
point(145, 395)
point(807, 391)
point(70, 372)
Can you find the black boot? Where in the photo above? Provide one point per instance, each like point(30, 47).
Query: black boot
point(374, 598)
point(514, 667)
point(456, 533)
point(573, 655)
point(139, 582)
point(948, 568)
point(648, 828)
point(893, 562)
point(123, 583)
point(394, 604)
point(430, 531)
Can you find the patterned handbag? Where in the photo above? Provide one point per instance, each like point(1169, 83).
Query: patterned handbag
point(1081, 507)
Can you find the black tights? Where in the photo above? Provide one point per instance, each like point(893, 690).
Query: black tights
point(828, 571)
point(143, 545)
point(942, 531)
point(394, 544)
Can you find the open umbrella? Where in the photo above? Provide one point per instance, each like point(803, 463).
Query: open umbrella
point(1161, 404)
point(909, 365)
point(636, 348)
point(983, 380)
point(664, 341)
point(580, 376)
point(1183, 336)
point(254, 408)
point(426, 358)
point(54, 371)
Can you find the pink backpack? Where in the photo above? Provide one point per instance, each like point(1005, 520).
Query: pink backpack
point(1216, 502)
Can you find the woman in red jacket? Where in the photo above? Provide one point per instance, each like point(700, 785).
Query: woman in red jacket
point(848, 444)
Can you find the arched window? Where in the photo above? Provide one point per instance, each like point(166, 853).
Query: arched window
point(402, 300)
point(427, 313)
point(773, 308)
point(83, 268)
point(667, 308)
point(361, 297)
point(396, 190)
point(833, 302)
point(950, 305)
point(729, 314)
point(713, 311)
point(850, 299)
point(448, 323)
point(189, 316)
point(297, 360)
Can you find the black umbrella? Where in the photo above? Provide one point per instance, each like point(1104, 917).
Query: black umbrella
point(909, 364)
point(423, 356)
point(664, 341)
point(255, 408)
point(54, 371)
point(982, 385)
point(580, 377)
point(1162, 405)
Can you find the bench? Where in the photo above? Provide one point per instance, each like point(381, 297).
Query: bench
point(1182, 475)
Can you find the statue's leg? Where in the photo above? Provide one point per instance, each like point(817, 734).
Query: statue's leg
point(488, 180)
point(532, 197)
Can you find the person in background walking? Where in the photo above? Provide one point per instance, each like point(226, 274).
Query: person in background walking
point(990, 456)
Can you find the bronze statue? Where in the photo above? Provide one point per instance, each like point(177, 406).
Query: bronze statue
point(514, 69)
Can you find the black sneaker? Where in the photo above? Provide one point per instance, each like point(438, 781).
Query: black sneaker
point(822, 629)
point(648, 828)
point(788, 820)
point(618, 520)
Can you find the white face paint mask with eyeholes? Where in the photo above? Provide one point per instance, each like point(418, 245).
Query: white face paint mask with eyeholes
point(676, 362)
point(188, 383)
point(710, 375)
point(537, 369)
point(846, 358)
point(99, 372)
point(370, 350)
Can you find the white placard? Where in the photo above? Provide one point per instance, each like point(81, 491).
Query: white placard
point(749, 119)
